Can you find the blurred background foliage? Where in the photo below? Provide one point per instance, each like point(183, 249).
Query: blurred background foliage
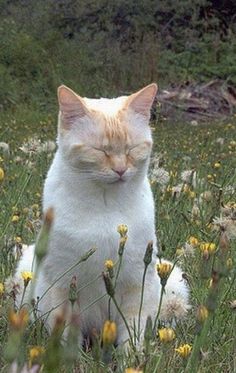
point(102, 47)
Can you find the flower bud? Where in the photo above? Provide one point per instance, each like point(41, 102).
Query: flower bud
point(148, 254)
point(109, 332)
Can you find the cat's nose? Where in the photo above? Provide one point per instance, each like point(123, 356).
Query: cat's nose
point(120, 171)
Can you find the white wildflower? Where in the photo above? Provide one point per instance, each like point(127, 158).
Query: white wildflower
point(48, 146)
point(205, 196)
point(177, 189)
point(220, 141)
point(189, 177)
point(5, 148)
point(195, 210)
point(35, 146)
point(194, 123)
point(188, 249)
point(12, 286)
point(186, 158)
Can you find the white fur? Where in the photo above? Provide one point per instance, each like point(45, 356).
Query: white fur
point(87, 214)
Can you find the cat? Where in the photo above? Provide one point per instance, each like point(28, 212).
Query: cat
point(97, 181)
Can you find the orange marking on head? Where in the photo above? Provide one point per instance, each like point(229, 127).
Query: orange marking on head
point(113, 128)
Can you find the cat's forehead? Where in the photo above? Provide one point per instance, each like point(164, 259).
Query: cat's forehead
point(107, 106)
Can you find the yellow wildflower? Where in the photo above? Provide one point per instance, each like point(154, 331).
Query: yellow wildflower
point(229, 263)
point(179, 251)
point(166, 334)
point(18, 320)
point(217, 165)
point(192, 194)
point(15, 218)
point(109, 332)
point(184, 350)
point(27, 277)
point(1, 288)
point(132, 370)
point(193, 241)
point(35, 353)
point(210, 282)
point(35, 206)
point(2, 174)
point(202, 313)
point(122, 229)
point(109, 264)
point(164, 269)
point(18, 239)
point(208, 247)
point(210, 177)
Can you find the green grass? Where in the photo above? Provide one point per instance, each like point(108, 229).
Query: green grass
point(180, 147)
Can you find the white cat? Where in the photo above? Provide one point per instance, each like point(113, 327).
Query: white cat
point(98, 180)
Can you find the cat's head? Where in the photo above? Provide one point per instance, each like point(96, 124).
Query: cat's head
point(106, 140)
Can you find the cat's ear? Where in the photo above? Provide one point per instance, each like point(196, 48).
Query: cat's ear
point(72, 106)
point(141, 101)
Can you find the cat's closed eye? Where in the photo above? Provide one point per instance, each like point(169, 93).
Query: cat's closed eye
point(102, 150)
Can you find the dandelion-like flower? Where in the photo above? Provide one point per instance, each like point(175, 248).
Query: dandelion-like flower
point(122, 229)
point(1, 288)
point(227, 224)
point(193, 241)
point(2, 174)
point(184, 350)
point(27, 276)
point(109, 332)
point(18, 320)
point(232, 304)
point(5, 148)
point(207, 249)
point(163, 270)
point(166, 335)
point(109, 264)
point(15, 218)
point(189, 177)
point(202, 313)
point(160, 176)
point(35, 354)
point(133, 370)
point(217, 165)
point(175, 307)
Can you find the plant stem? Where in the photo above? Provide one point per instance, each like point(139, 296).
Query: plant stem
point(141, 300)
point(126, 324)
point(159, 308)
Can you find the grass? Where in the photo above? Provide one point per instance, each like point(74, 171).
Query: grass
point(209, 150)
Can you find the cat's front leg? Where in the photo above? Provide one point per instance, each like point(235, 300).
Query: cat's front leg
point(136, 319)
